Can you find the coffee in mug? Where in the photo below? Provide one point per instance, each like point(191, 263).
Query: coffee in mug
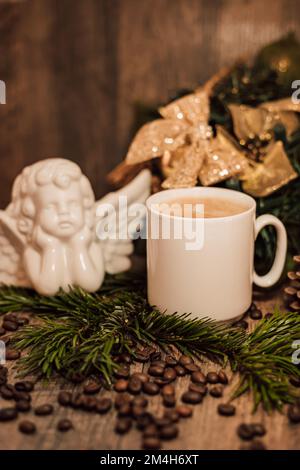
point(209, 207)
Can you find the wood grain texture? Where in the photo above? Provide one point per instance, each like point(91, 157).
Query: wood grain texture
point(205, 430)
point(75, 68)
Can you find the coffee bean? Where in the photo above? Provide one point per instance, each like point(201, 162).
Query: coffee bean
point(170, 361)
point(126, 358)
point(125, 410)
point(90, 403)
point(150, 431)
point(121, 385)
point(23, 406)
point(156, 371)
point(22, 396)
point(256, 314)
point(123, 425)
point(64, 398)
point(212, 378)
point(191, 368)
point(295, 381)
point(198, 388)
point(92, 388)
point(191, 397)
point(171, 415)
point(12, 316)
point(22, 321)
point(44, 410)
point(252, 307)
point(216, 391)
point(226, 409)
point(121, 399)
point(140, 401)
point(241, 324)
point(7, 392)
point(169, 401)
point(257, 445)
point(3, 380)
point(122, 373)
point(27, 427)
point(148, 350)
point(138, 411)
point(141, 357)
point(170, 374)
point(134, 385)
point(184, 411)
point(161, 381)
point(198, 378)
point(77, 377)
point(103, 405)
point(64, 425)
point(143, 421)
point(12, 355)
point(10, 325)
point(294, 414)
point(180, 371)
point(8, 414)
point(2, 331)
point(168, 390)
point(258, 429)
point(223, 379)
point(185, 360)
point(155, 356)
point(151, 443)
point(168, 432)
point(162, 421)
point(77, 400)
point(151, 388)
point(245, 431)
point(158, 363)
point(24, 386)
point(142, 377)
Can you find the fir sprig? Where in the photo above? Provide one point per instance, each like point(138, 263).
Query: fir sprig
point(77, 331)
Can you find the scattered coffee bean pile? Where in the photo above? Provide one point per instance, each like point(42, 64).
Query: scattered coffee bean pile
point(131, 400)
point(132, 393)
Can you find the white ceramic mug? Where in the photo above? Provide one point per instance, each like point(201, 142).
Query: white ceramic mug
point(216, 279)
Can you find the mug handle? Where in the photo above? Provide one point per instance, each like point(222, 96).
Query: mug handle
point(275, 272)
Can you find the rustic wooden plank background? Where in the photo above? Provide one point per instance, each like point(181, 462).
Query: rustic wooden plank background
point(74, 69)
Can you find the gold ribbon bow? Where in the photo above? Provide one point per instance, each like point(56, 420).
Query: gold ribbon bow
point(273, 170)
point(185, 142)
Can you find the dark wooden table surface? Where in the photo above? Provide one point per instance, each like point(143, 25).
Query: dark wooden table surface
point(205, 430)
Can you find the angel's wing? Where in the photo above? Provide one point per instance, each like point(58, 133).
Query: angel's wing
point(11, 247)
point(119, 218)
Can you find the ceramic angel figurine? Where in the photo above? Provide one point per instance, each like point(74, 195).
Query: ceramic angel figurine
point(48, 234)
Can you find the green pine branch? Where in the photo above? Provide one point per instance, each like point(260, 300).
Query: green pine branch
point(77, 331)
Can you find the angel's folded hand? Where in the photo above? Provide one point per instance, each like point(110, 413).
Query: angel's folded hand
point(43, 240)
point(84, 237)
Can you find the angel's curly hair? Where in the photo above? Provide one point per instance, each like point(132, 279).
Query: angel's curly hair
point(58, 171)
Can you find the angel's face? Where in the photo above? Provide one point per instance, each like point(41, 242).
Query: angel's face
point(60, 212)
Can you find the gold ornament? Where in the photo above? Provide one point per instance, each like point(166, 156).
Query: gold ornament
point(186, 144)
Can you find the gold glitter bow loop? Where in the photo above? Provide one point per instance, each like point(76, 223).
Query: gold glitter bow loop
point(186, 144)
point(275, 171)
point(270, 168)
point(193, 108)
point(155, 138)
point(249, 122)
